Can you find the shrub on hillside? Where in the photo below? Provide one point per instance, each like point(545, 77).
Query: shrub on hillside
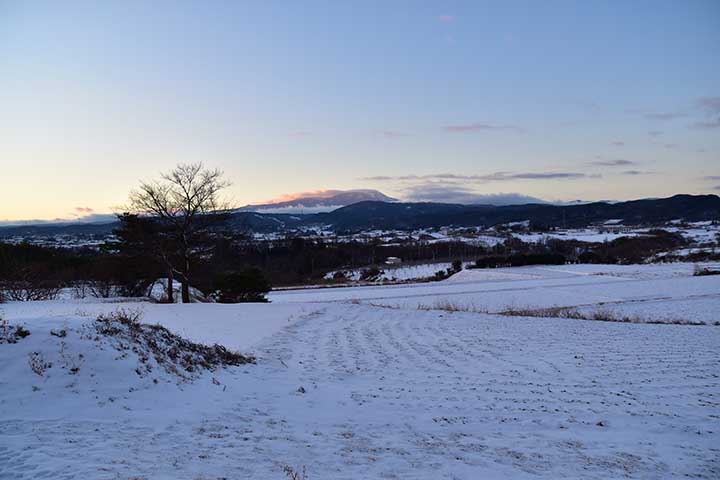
point(29, 284)
point(11, 333)
point(249, 285)
point(370, 274)
point(156, 346)
point(520, 259)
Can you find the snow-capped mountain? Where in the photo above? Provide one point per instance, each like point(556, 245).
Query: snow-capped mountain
point(317, 202)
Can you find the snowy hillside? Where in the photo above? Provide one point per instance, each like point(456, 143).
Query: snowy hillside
point(360, 383)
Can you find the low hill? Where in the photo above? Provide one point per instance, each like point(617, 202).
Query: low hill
point(368, 215)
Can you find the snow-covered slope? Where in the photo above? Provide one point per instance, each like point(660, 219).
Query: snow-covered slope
point(352, 390)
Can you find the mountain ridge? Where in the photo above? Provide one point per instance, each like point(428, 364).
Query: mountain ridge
point(368, 215)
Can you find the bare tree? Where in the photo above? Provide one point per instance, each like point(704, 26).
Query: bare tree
point(188, 200)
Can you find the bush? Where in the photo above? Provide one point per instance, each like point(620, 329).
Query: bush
point(457, 266)
point(371, 274)
point(11, 333)
point(176, 355)
point(29, 284)
point(250, 285)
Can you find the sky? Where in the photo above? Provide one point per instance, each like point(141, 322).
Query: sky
point(422, 100)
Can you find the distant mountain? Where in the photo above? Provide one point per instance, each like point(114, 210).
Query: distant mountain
point(367, 215)
point(324, 201)
point(379, 215)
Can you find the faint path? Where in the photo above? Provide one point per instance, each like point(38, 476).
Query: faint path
point(411, 394)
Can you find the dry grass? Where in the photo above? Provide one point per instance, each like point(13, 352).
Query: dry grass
point(449, 306)
point(173, 353)
point(11, 333)
point(293, 474)
point(598, 315)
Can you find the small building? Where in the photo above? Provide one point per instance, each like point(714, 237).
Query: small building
point(393, 261)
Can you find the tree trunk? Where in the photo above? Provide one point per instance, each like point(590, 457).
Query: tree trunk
point(185, 291)
point(170, 297)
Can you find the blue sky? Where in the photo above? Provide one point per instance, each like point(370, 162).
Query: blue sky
point(421, 100)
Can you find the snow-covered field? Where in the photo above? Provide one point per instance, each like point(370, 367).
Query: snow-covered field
point(358, 383)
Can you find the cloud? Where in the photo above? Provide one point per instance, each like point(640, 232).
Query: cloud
point(90, 218)
point(709, 105)
point(707, 124)
point(670, 145)
point(586, 105)
point(289, 197)
point(613, 163)
point(617, 143)
point(481, 127)
point(538, 176)
point(662, 116)
point(637, 172)
point(446, 18)
point(707, 108)
point(712, 177)
point(491, 177)
point(430, 192)
point(392, 134)
point(655, 133)
point(84, 209)
point(716, 187)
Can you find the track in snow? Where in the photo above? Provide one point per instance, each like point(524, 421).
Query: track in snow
point(411, 394)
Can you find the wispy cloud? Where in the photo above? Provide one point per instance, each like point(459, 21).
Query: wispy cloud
point(709, 108)
point(662, 116)
point(430, 192)
point(446, 18)
point(481, 127)
point(637, 172)
point(704, 110)
point(707, 124)
point(84, 209)
point(288, 197)
point(711, 177)
point(392, 134)
point(655, 133)
point(617, 143)
point(89, 217)
point(491, 177)
point(710, 105)
point(613, 163)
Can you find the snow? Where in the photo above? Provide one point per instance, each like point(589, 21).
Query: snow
point(582, 235)
point(388, 391)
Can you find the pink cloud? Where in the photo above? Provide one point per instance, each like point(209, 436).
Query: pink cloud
point(446, 18)
point(288, 197)
point(479, 127)
point(84, 209)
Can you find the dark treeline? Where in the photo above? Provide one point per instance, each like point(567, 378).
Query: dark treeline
point(122, 268)
point(296, 261)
